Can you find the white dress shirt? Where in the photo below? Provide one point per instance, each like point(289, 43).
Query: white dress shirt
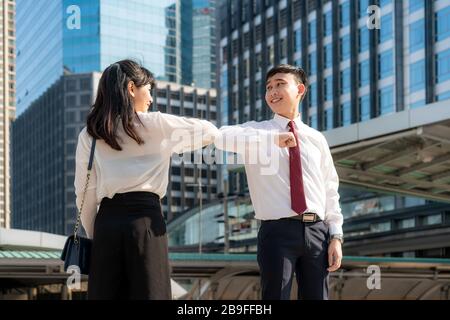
point(137, 167)
point(270, 193)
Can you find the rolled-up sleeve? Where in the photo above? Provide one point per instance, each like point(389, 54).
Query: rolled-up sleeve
point(333, 213)
point(89, 211)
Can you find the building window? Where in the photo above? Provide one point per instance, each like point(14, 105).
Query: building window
point(363, 5)
point(432, 219)
point(443, 24)
point(344, 14)
point(417, 76)
point(386, 100)
point(380, 227)
point(71, 85)
point(246, 68)
point(246, 96)
point(224, 55)
point(71, 101)
point(313, 95)
point(443, 96)
point(258, 61)
point(328, 115)
point(312, 32)
point(415, 5)
point(386, 65)
point(416, 36)
point(363, 39)
point(233, 75)
point(327, 26)
point(406, 223)
point(328, 56)
point(345, 114)
point(443, 66)
point(312, 63)
point(384, 3)
point(283, 48)
point(364, 108)
point(258, 89)
point(328, 88)
point(345, 47)
point(271, 55)
point(386, 28)
point(313, 121)
point(297, 40)
point(85, 84)
point(409, 254)
point(345, 81)
point(364, 73)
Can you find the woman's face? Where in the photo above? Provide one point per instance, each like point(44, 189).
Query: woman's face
point(142, 98)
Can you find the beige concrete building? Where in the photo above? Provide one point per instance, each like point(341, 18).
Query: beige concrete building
point(7, 102)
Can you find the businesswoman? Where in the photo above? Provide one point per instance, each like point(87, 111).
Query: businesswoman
point(128, 179)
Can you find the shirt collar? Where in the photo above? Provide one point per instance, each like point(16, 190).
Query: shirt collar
point(283, 122)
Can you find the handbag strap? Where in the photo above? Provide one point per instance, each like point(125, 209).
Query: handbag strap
point(91, 160)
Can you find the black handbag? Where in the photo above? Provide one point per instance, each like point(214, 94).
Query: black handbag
point(77, 250)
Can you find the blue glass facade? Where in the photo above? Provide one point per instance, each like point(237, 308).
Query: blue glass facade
point(386, 28)
point(39, 36)
point(417, 76)
point(142, 30)
point(386, 64)
point(368, 61)
point(81, 47)
point(416, 35)
point(48, 40)
point(203, 63)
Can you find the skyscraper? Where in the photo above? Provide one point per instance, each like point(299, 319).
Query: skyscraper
point(367, 61)
point(356, 73)
point(7, 103)
point(62, 36)
point(204, 43)
point(62, 46)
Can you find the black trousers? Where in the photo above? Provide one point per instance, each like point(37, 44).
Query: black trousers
point(129, 252)
point(289, 245)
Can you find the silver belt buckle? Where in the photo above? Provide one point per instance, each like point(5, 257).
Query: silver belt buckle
point(308, 217)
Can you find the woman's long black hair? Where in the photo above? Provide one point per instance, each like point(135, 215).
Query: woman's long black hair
point(113, 102)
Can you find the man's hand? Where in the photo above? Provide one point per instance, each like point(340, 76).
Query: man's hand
point(334, 255)
point(285, 139)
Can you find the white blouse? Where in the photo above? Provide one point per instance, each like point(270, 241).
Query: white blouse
point(137, 167)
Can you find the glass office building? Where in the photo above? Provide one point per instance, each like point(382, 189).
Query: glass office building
point(204, 43)
point(355, 73)
point(57, 36)
point(358, 71)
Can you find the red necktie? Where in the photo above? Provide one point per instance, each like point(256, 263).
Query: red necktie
point(298, 201)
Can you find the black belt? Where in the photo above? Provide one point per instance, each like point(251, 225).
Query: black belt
point(306, 217)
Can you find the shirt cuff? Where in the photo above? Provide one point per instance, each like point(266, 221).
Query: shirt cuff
point(335, 229)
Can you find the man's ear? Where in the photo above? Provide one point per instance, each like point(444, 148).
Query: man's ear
point(301, 90)
point(130, 88)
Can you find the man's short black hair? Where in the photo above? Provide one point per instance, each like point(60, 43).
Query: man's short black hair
point(299, 73)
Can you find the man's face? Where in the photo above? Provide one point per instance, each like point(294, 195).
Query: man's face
point(283, 93)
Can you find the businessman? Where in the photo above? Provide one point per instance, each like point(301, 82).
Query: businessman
point(298, 204)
